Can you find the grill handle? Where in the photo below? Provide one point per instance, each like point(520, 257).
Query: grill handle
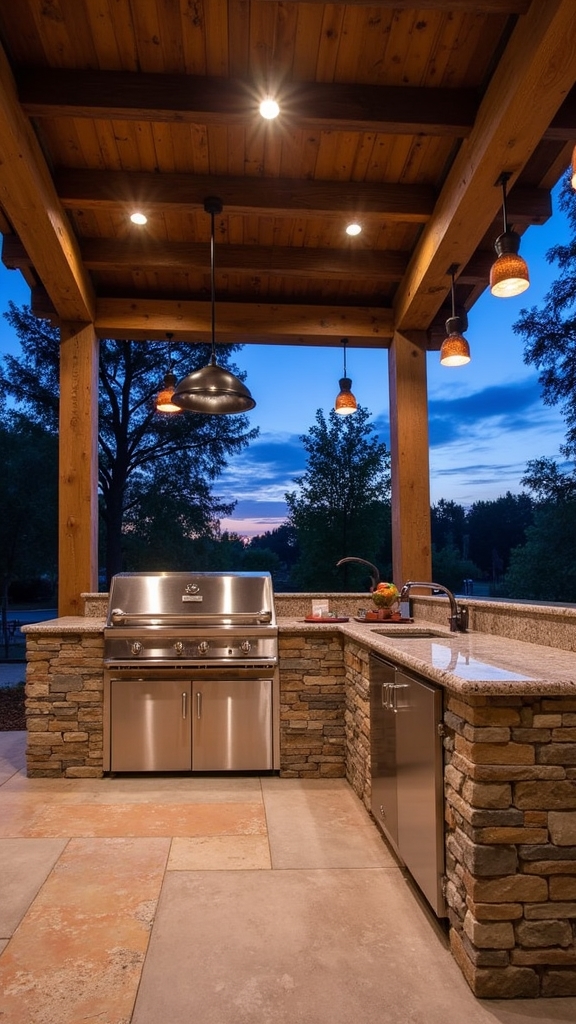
point(121, 618)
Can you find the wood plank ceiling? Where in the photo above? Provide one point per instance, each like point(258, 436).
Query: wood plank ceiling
point(399, 116)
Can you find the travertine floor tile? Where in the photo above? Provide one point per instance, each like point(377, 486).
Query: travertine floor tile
point(127, 819)
point(217, 853)
point(320, 824)
point(78, 953)
point(12, 754)
point(24, 866)
point(281, 947)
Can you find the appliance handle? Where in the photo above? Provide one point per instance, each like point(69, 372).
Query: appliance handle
point(184, 704)
point(121, 618)
point(198, 704)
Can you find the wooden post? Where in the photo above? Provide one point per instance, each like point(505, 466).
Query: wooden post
point(411, 533)
point(78, 467)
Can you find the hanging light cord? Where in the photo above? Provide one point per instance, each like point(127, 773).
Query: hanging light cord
point(452, 288)
point(504, 178)
point(344, 343)
point(213, 286)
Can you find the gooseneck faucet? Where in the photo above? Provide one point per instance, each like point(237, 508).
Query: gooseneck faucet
point(375, 575)
point(458, 616)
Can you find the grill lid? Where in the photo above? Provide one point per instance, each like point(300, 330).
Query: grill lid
point(190, 598)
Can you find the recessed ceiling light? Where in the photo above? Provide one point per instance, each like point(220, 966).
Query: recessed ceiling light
point(269, 109)
point(138, 218)
point(353, 229)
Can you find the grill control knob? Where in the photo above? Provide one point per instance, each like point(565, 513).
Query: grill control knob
point(179, 647)
point(246, 646)
point(203, 647)
point(136, 647)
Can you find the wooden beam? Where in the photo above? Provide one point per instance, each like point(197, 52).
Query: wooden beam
point(89, 190)
point(122, 254)
point(244, 323)
point(78, 468)
point(512, 117)
point(472, 6)
point(29, 199)
point(196, 99)
point(411, 532)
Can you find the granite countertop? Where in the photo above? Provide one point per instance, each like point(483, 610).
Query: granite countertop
point(473, 663)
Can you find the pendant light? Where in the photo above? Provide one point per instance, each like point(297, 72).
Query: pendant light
point(455, 349)
point(345, 403)
point(212, 389)
point(509, 274)
point(164, 401)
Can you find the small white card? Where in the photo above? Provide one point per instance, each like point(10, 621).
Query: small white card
point(320, 609)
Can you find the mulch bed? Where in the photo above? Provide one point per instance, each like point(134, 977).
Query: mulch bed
point(12, 708)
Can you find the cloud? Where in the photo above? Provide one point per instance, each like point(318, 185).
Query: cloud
point(265, 471)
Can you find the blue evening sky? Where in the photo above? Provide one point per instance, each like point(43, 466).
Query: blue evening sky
point(487, 419)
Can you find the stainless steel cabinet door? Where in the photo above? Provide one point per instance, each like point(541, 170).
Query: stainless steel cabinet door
point(232, 725)
point(420, 784)
point(150, 725)
point(384, 800)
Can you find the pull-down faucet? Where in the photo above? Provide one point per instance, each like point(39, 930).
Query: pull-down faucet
point(458, 616)
point(375, 575)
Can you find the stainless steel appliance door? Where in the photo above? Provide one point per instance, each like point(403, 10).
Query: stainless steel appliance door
point(384, 800)
point(420, 784)
point(150, 725)
point(232, 725)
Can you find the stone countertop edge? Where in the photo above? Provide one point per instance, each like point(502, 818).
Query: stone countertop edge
point(551, 671)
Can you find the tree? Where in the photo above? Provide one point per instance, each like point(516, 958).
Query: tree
point(449, 527)
point(494, 528)
point(340, 507)
point(549, 332)
point(142, 454)
point(544, 568)
point(28, 505)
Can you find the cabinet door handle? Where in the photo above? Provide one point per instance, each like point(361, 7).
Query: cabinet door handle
point(184, 704)
point(198, 704)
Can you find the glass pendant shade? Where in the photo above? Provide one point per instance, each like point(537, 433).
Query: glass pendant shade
point(455, 350)
point(345, 403)
point(509, 274)
point(164, 401)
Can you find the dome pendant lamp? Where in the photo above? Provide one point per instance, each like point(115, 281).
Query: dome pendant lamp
point(455, 349)
point(509, 274)
point(164, 401)
point(212, 389)
point(345, 403)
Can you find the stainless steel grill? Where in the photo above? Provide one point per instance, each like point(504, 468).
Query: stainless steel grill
point(191, 673)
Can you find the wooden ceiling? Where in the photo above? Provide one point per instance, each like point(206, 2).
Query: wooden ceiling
point(400, 116)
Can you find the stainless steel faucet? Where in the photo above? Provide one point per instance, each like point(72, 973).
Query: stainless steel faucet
point(375, 575)
point(458, 616)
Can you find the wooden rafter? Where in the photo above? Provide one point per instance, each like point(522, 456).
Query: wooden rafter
point(29, 200)
point(513, 116)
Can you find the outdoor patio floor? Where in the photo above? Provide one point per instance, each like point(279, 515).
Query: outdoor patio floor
point(221, 900)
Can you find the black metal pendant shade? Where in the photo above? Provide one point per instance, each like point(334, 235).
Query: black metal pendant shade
point(212, 389)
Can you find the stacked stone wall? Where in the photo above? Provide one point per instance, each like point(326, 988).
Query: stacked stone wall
point(358, 763)
point(312, 684)
point(64, 693)
point(511, 843)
